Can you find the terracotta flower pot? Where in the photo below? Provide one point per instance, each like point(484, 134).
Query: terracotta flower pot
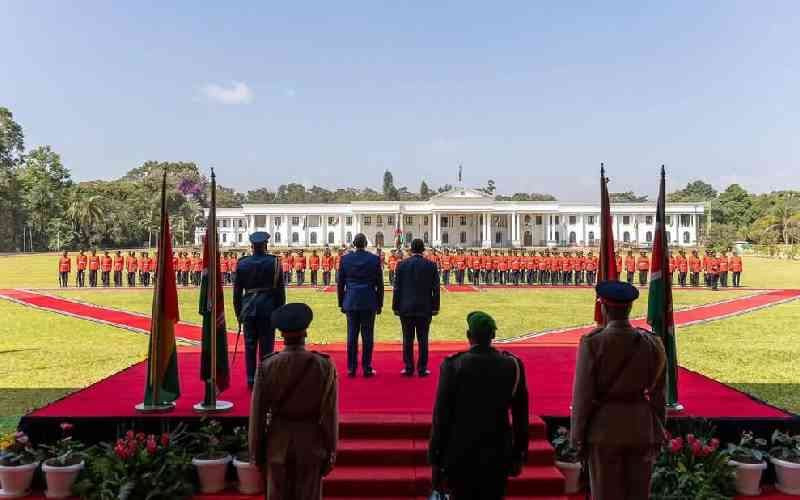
point(250, 480)
point(748, 477)
point(212, 473)
point(16, 479)
point(788, 476)
point(572, 476)
point(60, 479)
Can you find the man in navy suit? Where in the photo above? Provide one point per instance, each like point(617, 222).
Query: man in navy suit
point(416, 301)
point(359, 284)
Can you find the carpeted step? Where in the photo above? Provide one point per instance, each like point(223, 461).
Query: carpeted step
point(542, 480)
point(408, 426)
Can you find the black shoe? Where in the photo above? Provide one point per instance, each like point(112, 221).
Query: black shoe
point(370, 373)
point(351, 374)
point(424, 373)
point(406, 372)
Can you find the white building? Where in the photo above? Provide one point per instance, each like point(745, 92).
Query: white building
point(461, 217)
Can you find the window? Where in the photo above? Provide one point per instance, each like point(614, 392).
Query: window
point(241, 222)
point(498, 237)
point(591, 219)
point(526, 220)
point(538, 220)
point(573, 220)
point(313, 238)
point(295, 221)
point(424, 220)
point(445, 238)
point(686, 236)
point(367, 220)
point(409, 237)
point(313, 220)
point(463, 237)
point(573, 238)
point(648, 219)
point(260, 220)
point(463, 220)
point(626, 219)
point(528, 239)
point(240, 237)
point(686, 220)
point(295, 237)
point(409, 219)
point(626, 236)
point(669, 237)
point(557, 220)
point(332, 221)
point(444, 221)
point(348, 238)
point(558, 236)
point(379, 239)
point(425, 237)
point(277, 237)
point(669, 220)
point(348, 220)
point(379, 220)
point(330, 237)
point(591, 237)
point(276, 221)
point(648, 236)
point(390, 219)
point(224, 222)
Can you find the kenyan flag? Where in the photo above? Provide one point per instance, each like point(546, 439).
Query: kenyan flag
point(659, 305)
point(205, 307)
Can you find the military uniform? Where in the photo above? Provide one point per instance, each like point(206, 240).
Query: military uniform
point(82, 262)
point(105, 266)
point(258, 290)
point(473, 445)
point(618, 402)
point(736, 269)
point(294, 415)
point(64, 268)
point(643, 263)
point(94, 265)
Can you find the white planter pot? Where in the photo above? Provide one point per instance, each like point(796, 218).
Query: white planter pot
point(60, 479)
point(250, 480)
point(748, 477)
point(212, 473)
point(16, 480)
point(572, 476)
point(788, 476)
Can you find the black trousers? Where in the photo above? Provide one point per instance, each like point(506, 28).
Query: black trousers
point(415, 327)
point(737, 278)
point(445, 277)
point(93, 277)
point(682, 278)
point(642, 277)
point(360, 323)
point(63, 279)
point(105, 277)
point(566, 277)
point(326, 277)
point(714, 279)
point(259, 340)
point(81, 276)
point(590, 276)
point(630, 277)
point(146, 279)
point(695, 279)
point(117, 278)
point(131, 279)
point(301, 277)
point(314, 277)
point(460, 276)
point(543, 277)
point(555, 276)
point(723, 279)
point(287, 277)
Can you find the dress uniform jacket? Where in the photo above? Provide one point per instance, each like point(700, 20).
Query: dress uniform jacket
point(257, 290)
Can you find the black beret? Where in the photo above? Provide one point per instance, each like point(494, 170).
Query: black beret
point(617, 291)
point(259, 237)
point(294, 317)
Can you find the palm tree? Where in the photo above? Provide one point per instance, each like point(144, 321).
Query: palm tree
point(787, 217)
point(85, 212)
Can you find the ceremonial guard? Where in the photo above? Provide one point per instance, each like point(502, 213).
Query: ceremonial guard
point(643, 263)
point(300, 267)
point(392, 264)
point(630, 266)
point(119, 267)
point(516, 266)
point(694, 266)
point(147, 268)
point(736, 269)
point(618, 258)
point(197, 269)
point(460, 265)
point(258, 291)
point(82, 261)
point(327, 266)
point(683, 267)
point(544, 267)
point(707, 268)
point(591, 268)
point(555, 268)
point(566, 266)
point(486, 267)
point(618, 402)
point(94, 265)
point(105, 266)
point(713, 270)
point(473, 446)
point(445, 265)
point(132, 265)
point(502, 267)
point(313, 264)
point(294, 418)
point(723, 269)
point(233, 265)
point(286, 267)
point(64, 268)
point(224, 268)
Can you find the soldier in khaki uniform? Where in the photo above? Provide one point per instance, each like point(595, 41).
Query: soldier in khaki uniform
point(618, 402)
point(294, 414)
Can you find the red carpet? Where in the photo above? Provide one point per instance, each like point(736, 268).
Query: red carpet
point(460, 288)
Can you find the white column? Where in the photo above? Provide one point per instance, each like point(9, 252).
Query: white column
point(583, 229)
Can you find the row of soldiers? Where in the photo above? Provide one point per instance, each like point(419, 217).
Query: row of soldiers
point(108, 267)
point(189, 267)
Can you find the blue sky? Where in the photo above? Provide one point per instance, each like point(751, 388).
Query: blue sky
point(530, 94)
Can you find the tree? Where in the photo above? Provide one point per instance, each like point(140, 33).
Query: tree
point(720, 236)
point(527, 197)
point(44, 184)
point(228, 197)
point(694, 191)
point(85, 212)
point(626, 197)
point(445, 188)
point(489, 189)
point(389, 191)
point(424, 191)
point(12, 145)
point(786, 213)
point(733, 206)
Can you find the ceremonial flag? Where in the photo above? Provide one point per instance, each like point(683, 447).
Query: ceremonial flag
point(214, 358)
point(162, 357)
point(607, 263)
point(659, 305)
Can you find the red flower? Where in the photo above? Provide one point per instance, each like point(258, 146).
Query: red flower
point(120, 450)
point(690, 438)
point(706, 450)
point(676, 445)
point(129, 435)
point(140, 437)
point(697, 447)
point(714, 444)
point(165, 440)
point(151, 445)
point(66, 427)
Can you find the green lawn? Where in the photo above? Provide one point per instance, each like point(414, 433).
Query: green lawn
point(757, 353)
point(516, 311)
point(40, 363)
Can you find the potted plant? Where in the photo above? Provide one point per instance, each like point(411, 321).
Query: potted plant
point(211, 459)
point(692, 468)
point(567, 460)
point(19, 460)
point(138, 465)
point(749, 459)
point(785, 456)
point(64, 464)
point(250, 480)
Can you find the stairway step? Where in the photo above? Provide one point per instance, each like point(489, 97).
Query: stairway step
point(537, 480)
point(367, 425)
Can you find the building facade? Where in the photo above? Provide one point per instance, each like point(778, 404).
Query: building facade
point(459, 218)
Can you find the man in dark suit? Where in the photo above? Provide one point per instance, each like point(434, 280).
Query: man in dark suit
point(359, 284)
point(473, 446)
point(416, 301)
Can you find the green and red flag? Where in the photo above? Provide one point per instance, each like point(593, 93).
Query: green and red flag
point(162, 357)
point(222, 377)
point(659, 305)
point(607, 263)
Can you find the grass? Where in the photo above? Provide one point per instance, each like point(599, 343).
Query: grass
point(756, 353)
point(40, 363)
point(516, 311)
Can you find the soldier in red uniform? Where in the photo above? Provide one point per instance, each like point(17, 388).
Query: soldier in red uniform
point(119, 267)
point(328, 265)
point(544, 264)
point(286, 267)
point(486, 268)
point(300, 267)
point(460, 265)
point(618, 257)
point(233, 264)
point(146, 266)
point(643, 263)
point(683, 267)
point(94, 265)
point(555, 268)
point(673, 265)
point(391, 263)
point(723, 269)
point(707, 268)
point(445, 265)
point(225, 269)
point(105, 267)
point(630, 266)
point(196, 269)
point(566, 268)
point(695, 265)
point(131, 266)
point(591, 268)
point(514, 267)
point(713, 270)
point(64, 268)
point(82, 261)
point(313, 265)
point(736, 268)
point(186, 267)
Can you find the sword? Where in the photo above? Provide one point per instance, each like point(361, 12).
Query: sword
point(236, 344)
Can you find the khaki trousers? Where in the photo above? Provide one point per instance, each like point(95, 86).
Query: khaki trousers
point(620, 473)
point(293, 481)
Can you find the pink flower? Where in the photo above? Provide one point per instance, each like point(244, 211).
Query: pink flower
point(714, 443)
point(675, 445)
point(706, 450)
point(165, 440)
point(66, 427)
point(690, 438)
point(151, 445)
point(120, 450)
point(140, 437)
point(697, 447)
point(129, 435)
